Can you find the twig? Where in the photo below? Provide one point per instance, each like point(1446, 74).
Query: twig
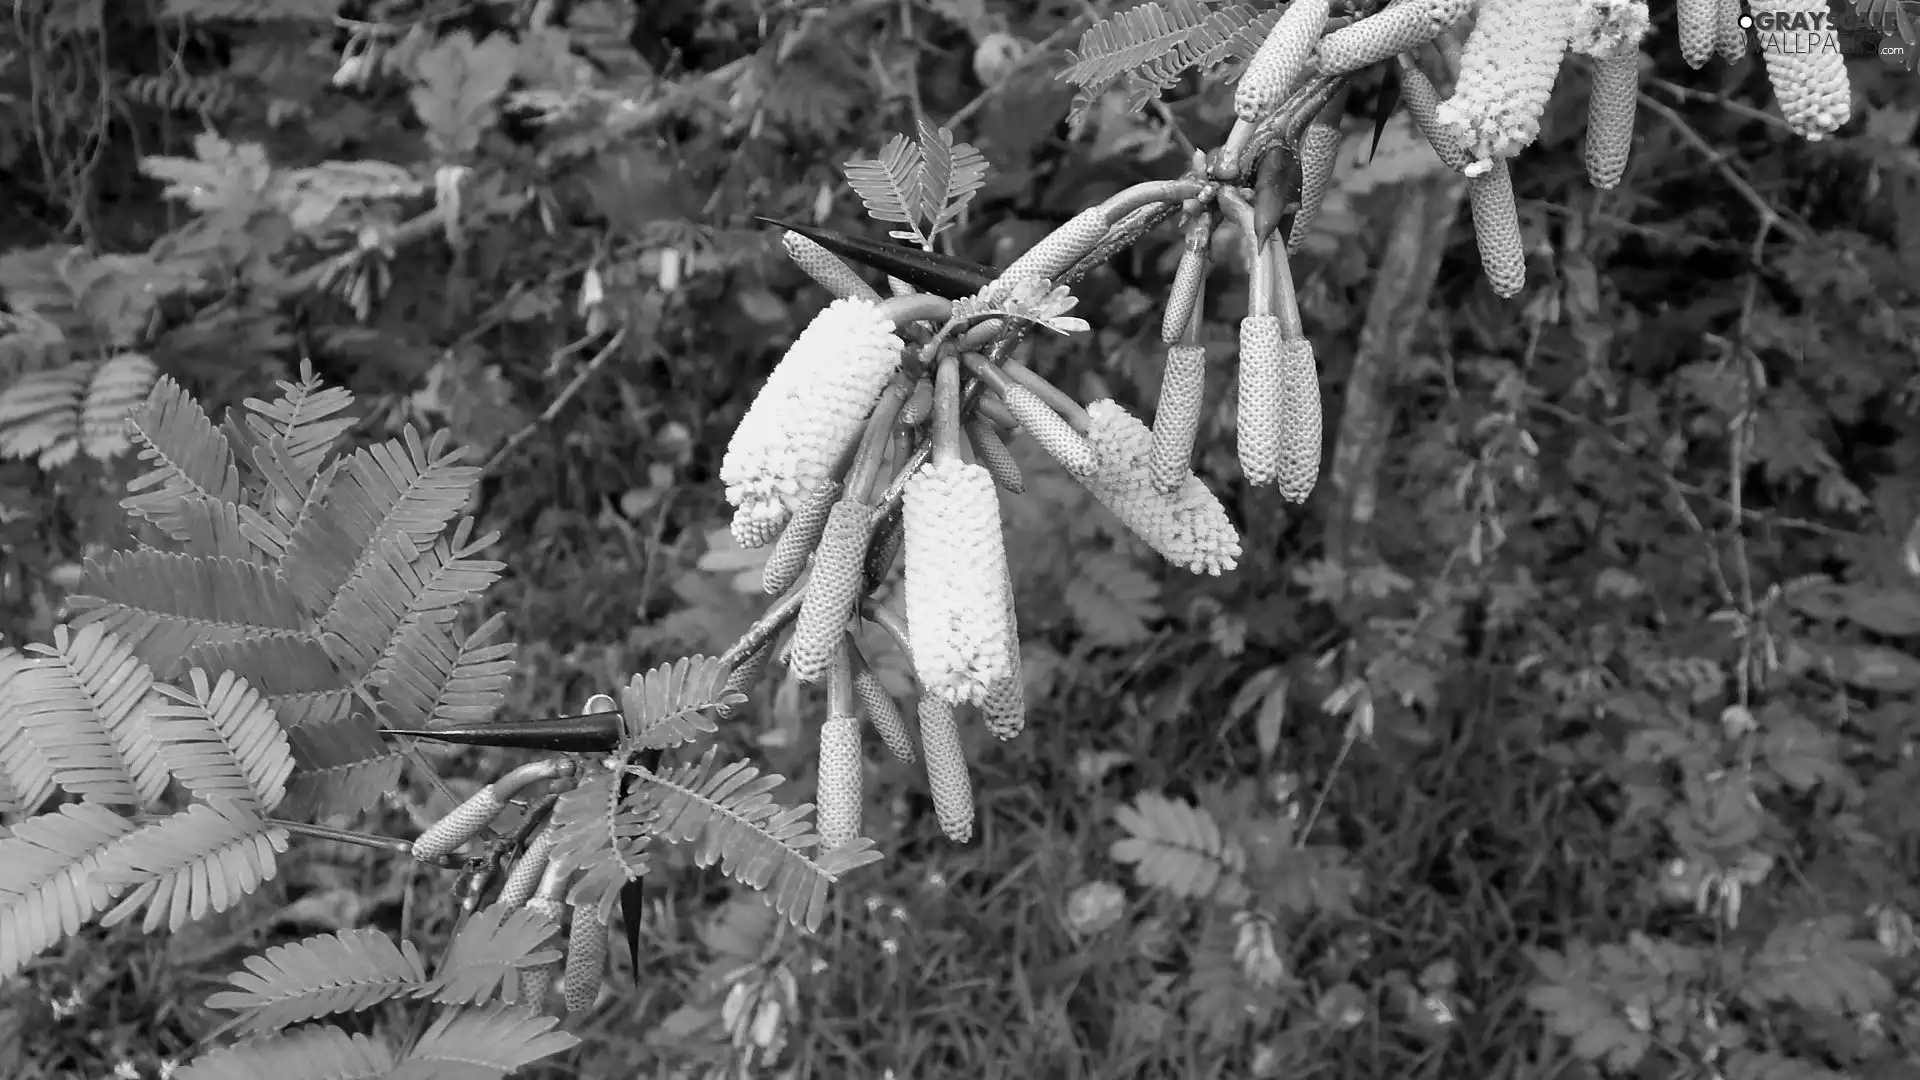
point(1768, 215)
point(1740, 109)
point(553, 408)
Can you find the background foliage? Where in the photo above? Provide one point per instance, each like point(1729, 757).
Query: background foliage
point(1470, 783)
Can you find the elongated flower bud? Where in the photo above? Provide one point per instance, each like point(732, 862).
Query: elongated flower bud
point(525, 875)
point(1319, 146)
point(831, 591)
point(946, 769)
point(1730, 37)
point(1055, 435)
point(956, 567)
point(586, 958)
point(1610, 112)
point(1188, 528)
point(1299, 464)
point(1258, 419)
point(1281, 59)
point(1059, 250)
point(993, 455)
point(1122, 235)
point(884, 714)
point(1506, 74)
point(812, 407)
point(535, 982)
point(1188, 277)
point(460, 826)
point(838, 793)
point(1423, 104)
point(798, 539)
point(1388, 32)
point(1809, 76)
point(1699, 30)
point(1496, 227)
point(1006, 706)
point(826, 268)
point(1176, 420)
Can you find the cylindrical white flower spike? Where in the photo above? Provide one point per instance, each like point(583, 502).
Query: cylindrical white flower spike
point(1258, 416)
point(1319, 149)
point(839, 789)
point(946, 769)
point(1300, 430)
point(1281, 59)
point(992, 454)
point(812, 407)
point(1053, 433)
point(1809, 75)
point(1610, 113)
point(1699, 30)
point(586, 958)
point(956, 568)
point(1730, 36)
point(1388, 32)
point(798, 539)
point(826, 268)
point(1188, 528)
point(1507, 72)
point(1496, 227)
point(1423, 104)
point(1176, 420)
point(832, 591)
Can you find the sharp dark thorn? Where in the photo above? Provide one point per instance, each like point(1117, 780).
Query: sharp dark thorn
point(941, 275)
point(594, 733)
point(634, 892)
point(1383, 108)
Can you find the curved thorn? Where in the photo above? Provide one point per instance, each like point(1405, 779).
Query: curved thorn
point(929, 271)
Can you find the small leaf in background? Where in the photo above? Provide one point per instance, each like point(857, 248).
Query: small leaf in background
point(457, 86)
point(1272, 718)
point(1875, 667)
point(1095, 907)
point(1112, 600)
point(1894, 612)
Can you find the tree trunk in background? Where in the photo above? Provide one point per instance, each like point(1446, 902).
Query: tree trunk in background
point(1401, 290)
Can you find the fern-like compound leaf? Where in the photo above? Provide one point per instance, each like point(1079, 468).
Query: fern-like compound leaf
point(80, 702)
point(294, 676)
point(1818, 965)
point(197, 862)
point(221, 738)
point(26, 768)
point(403, 489)
point(165, 604)
point(1175, 845)
point(40, 414)
point(189, 465)
point(730, 813)
point(893, 186)
point(606, 844)
point(304, 422)
point(48, 887)
point(490, 1041)
point(670, 705)
point(427, 678)
point(118, 386)
point(318, 1052)
point(489, 953)
point(321, 976)
point(1152, 45)
point(343, 767)
point(953, 173)
point(401, 591)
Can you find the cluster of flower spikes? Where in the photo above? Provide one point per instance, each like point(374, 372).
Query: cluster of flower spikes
point(881, 435)
point(1505, 73)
